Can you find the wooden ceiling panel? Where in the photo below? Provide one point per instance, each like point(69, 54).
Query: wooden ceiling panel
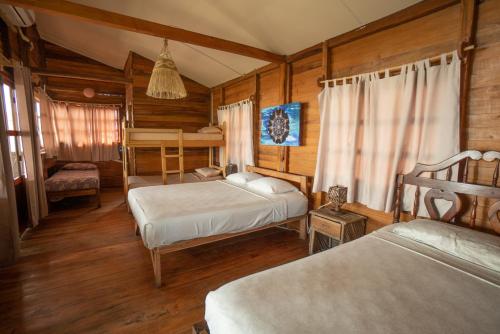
point(302, 26)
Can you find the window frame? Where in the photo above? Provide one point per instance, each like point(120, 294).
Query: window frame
point(16, 133)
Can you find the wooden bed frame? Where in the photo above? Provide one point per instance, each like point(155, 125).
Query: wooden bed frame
point(169, 138)
point(77, 193)
point(300, 180)
point(452, 191)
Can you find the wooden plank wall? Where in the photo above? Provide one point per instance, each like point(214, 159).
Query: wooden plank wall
point(483, 116)
point(56, 58)
point(189, 114)
point(427, 36)
point(64, 89)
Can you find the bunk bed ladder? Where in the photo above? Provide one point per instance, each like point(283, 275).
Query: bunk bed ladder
point(180, 155)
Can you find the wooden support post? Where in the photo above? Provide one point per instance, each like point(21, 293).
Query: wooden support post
point(181, 155)
point(397, 202)
point(325, 64)
point(468, 38)
point(163, 154)
point(466, 54)
point(156, 259)
point(125, 165)
point(285, 96)
point(256, 118)
point(303, 228)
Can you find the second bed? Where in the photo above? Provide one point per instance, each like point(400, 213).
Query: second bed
point(179, 216)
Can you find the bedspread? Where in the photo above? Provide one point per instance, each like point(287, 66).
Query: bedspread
point(65, 180)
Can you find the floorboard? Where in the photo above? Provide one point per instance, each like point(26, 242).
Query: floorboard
point(83, 270)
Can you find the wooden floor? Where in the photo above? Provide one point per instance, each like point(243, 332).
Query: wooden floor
point(84, 271)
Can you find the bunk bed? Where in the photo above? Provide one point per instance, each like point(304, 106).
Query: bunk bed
point(165, 139)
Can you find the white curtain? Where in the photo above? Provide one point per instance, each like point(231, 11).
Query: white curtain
point(374, 128)
point(9, 229)
point(46, 119)
point(81, 132)
point(239, 132)
point(35, 186)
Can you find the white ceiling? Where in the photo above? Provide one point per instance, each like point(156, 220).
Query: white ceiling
point(280, 26)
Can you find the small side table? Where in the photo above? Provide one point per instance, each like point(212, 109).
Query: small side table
point(342, 226)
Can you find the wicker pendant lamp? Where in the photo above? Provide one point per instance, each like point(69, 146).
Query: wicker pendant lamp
point(165, 81)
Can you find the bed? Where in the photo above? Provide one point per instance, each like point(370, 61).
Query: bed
point(179, 216)
point(426, 276)
point(73, 180)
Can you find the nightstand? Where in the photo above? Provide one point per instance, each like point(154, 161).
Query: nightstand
point(341, 227)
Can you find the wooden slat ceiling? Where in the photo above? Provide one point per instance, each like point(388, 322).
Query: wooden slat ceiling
point(281, 27)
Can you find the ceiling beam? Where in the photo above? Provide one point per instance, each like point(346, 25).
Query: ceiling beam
point(124, 22)
point(61, 74)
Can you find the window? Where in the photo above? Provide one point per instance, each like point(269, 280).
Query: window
point(38, 117)
point(13, 132)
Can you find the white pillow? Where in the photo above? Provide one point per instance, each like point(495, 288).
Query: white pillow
point(476, 247)
point(210, 129)
point(271, 185)
point(208, 172)
point(243, 177)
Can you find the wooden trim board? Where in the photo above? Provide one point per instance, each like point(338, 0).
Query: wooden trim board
point(61, 74)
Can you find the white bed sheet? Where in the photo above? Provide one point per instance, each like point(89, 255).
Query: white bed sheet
point(381, 283)
point(167, 214)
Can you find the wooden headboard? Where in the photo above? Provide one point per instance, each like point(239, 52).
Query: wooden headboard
point(451, 190)
point(300, 180)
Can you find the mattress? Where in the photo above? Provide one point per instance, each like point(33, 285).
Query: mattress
point(171, 213)
point(136, 181)
point(65, 180)
point(381, 283)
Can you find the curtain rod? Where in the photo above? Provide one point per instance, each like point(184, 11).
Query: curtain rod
point(87, 104)
point(392, 69)
point(250, 99)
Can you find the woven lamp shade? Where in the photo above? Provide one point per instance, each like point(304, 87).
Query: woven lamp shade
point(165, 81)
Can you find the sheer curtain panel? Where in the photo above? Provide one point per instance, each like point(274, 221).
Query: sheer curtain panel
point(82, 132)
point(47, 128)
point(374, 128)
point(239, 132)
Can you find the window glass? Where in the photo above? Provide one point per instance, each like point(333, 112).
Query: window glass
point(14, 158)
point(38, 116)
point(20, 152)
point(8, 107)
point(15, 145)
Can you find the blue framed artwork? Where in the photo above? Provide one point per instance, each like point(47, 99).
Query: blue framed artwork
point(280, 125)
